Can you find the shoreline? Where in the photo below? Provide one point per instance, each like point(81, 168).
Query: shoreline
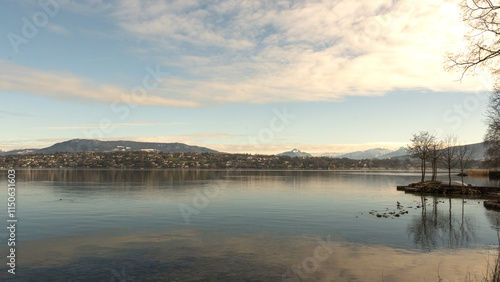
point(490, 194)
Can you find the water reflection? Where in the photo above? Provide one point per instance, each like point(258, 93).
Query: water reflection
point(351, 179)
point(146, 177)
point(494, 219)
point(189, 255)
point(88, 225)
point(439, 225)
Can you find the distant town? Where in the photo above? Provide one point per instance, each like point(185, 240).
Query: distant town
point(87, 153)
point(159, 160)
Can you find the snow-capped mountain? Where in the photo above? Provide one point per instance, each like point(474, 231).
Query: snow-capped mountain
point(295, 153)
point(368, 154)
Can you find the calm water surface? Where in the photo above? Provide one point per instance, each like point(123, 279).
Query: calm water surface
point(151, 225)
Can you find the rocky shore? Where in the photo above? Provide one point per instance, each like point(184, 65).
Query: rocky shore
point(492, 194)
point(492, 204)
point(437, 187)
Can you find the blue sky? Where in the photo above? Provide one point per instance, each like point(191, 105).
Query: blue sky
point(236, 76)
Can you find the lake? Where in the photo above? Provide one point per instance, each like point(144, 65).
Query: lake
point(192, 225)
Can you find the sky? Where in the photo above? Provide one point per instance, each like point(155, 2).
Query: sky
point(235, 76)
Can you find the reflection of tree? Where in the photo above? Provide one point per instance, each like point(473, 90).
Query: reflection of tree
point(116, 175)
point(434, 227)
point(494, 218)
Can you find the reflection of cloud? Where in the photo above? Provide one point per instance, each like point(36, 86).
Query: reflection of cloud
point(250, 257)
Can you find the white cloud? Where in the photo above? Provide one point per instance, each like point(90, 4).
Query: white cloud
point(15, 144)
point(58, 29)
point(198, 139)
point(67, 86)
point(16, 114)
point(264, 51)
point(268, 51)
point(113, 125)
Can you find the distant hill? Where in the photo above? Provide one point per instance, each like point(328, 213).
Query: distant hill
point(18, 152)
point(479, 150)
point(295, 153)
point(368, 154)
point(86, 145)
point(401, 152)
point(327, 155)
point(82, 145)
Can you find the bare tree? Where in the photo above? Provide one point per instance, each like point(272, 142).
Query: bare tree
point(464, 158)
point(483, 38)
point(482, 51)
point(449, 154)
point(420, 148)
point(435, 152)
point(492, 137)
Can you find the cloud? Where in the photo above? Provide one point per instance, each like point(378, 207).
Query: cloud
point(10, 113)
point(100, 59)
point(269, 51)
point(14, 144)
point(58, 29)
point(67, 86)
point(266, 51)
point(198, 139)
point(113, 125)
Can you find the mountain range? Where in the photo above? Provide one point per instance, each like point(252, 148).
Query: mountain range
point(368, 154)
point(82, 145)
point(379, 153)
point(85, 145)
point(479, 151)
point(295, 153)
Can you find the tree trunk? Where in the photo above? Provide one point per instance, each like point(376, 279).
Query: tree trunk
point(436, 171)
point(449, 175)
point(423, 173)
point(433, 171)
point(422, 169)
